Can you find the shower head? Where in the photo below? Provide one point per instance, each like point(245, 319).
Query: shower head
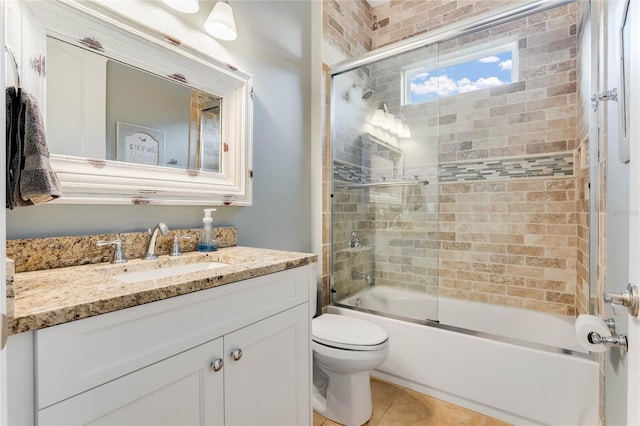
point(367, 94)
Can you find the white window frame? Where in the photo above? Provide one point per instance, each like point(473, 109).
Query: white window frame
point(461, 56)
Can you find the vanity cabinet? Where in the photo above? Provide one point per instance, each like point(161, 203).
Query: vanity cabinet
point(234, 354)
point(179, 390)
point(259, 387)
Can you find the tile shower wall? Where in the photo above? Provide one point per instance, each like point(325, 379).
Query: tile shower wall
point(352, 213)
point(506, 236)
point(582, 159)
point(399, 20)
point(346, 33)
point(510, 243)
point(351, 208)
point(515, 243)
point(397, 227)
point(346, 25)
point(406, 240)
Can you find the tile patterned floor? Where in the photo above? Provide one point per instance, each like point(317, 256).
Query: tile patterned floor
point(397, 406)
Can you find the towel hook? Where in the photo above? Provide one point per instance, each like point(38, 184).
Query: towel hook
point(15, 64)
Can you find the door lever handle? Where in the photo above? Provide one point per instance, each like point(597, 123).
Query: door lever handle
point(628, 298)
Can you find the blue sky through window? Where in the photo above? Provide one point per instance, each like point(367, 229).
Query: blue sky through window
point(488, 71)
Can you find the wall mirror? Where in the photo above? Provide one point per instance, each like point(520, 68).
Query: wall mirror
point(386, 165)
point(132, 115)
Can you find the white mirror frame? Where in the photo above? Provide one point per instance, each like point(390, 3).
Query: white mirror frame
point(96, 181)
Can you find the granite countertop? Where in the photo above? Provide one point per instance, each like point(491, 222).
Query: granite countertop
point(50, 297)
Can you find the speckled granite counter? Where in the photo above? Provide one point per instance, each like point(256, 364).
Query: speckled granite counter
point(50, 297)
point(34, 254)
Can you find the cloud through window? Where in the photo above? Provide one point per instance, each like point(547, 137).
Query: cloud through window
point(460, 74)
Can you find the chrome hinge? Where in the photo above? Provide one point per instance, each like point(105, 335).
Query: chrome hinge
point(4, 331)
point(609, 95)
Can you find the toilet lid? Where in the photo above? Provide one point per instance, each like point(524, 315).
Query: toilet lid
point(346, 332)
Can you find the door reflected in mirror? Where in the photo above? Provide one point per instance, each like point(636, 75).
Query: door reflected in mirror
point(205, 138)
point(102, 109)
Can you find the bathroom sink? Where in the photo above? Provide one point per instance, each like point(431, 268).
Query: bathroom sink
point(134, 277)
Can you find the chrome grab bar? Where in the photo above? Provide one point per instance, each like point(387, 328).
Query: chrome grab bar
point(384, 184)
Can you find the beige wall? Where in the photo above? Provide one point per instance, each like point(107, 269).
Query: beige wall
point(346, 33)
point(401, 19)
point(514, 241)
point(510, 243)
point(346, 27)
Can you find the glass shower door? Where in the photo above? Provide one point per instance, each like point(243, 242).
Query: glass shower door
point(385, 190)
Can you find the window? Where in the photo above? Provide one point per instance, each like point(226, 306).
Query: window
point(459, 72)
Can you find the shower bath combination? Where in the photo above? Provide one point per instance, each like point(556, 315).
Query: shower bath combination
point(486, 253)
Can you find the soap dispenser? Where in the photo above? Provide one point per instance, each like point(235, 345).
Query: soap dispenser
point(206, 241)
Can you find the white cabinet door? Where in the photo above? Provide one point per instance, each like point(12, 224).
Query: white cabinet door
point(270, 383)
point(181, 390)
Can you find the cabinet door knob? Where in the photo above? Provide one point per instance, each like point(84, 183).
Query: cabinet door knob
point(237, 354)
point(216, 365)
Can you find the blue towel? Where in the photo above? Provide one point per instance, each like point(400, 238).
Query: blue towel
point(30, 178)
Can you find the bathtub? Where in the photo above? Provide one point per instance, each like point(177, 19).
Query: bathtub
point(519, 366)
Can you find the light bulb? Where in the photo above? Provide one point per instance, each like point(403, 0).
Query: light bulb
point(220, 22)
point(390, 122)
point(378, 118)
point(185, 6)
point(397, 128)
point(405, 133)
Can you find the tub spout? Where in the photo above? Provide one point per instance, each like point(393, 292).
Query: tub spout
point(355, 275)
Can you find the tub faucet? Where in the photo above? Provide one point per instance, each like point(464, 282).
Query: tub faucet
point(355, 275)
point(151, 247)
point(354, 241)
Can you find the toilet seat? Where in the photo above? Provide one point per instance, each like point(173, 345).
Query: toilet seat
point(342, 332)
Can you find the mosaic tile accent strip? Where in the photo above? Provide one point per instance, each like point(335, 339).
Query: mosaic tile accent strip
point(351, 173)
point(558, 165)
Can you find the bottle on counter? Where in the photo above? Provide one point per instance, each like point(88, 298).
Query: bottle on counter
point(207, 242)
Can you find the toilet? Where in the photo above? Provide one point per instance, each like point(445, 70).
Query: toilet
point(345, 350)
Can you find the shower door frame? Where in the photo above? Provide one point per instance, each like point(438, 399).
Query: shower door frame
point(464, 27)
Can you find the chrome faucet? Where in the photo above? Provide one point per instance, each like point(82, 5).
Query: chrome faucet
point(354, 241)
point(151, 247)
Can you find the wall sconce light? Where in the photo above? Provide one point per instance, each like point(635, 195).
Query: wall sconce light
point(378, 118)
point(220, 23)
point(397, 128)
point(389, 123)
point(405, 133)
point(185, 6)
point(383, 119)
